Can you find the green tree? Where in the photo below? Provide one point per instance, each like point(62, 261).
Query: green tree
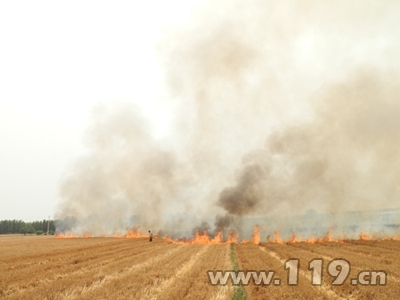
point(19, 226)
point(23, 230)
point(30, 229)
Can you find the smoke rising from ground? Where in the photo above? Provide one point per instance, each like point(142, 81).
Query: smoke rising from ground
point(280, 108)
point(345, 159)
point(125, 178)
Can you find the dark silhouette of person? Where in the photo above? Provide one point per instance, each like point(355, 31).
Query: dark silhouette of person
point(150, 236)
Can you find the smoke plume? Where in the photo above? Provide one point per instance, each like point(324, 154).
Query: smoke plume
point(281, 109)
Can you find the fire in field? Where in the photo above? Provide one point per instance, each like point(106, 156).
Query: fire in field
point(277, 177)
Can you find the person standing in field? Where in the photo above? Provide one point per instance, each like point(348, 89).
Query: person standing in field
point(150, 236)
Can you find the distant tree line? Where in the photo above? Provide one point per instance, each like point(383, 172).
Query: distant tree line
point(19, 226)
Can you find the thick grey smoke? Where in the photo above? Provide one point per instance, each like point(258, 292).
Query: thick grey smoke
point(281, 108)
point(344, 159)
point(246, 196)
point(125, 179)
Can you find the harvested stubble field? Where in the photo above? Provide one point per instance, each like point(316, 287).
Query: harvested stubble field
point(43, 267)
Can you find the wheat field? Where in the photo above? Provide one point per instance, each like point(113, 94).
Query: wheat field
point(43, 267)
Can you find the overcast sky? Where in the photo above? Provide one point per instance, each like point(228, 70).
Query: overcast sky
point(57, 60)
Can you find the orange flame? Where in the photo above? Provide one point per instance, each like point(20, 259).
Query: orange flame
point(255, 238)
point(232, 237)
point(135, 234)
point(204, 238)
point(256, 235)
point(132, 233)
point(364, 237)
point(277, 238)
point(217, 239)
point(199, 239)
point(293, 239)
point(312, 240)
point(328, 237)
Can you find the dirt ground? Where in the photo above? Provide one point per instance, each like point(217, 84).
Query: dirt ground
point(43, 267)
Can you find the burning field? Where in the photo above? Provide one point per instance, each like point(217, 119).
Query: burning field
point(282, 143)
point(132, 268)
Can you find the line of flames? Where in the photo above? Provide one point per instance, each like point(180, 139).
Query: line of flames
point(327, 238)
point(204, 238)
point(233, 238)
point(132, 233)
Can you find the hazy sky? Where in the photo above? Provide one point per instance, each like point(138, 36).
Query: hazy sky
point(57, 60)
